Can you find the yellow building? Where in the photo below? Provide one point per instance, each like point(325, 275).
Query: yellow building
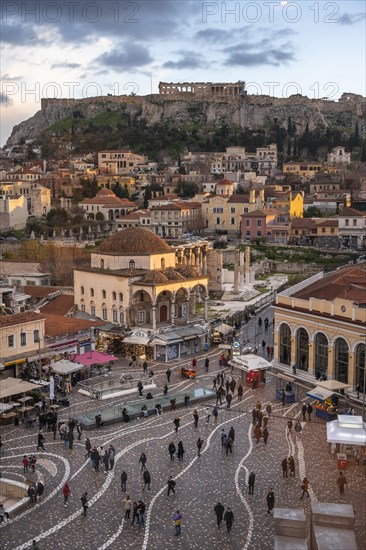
point(305, 169)
point(289, 202)
point(224, 213)
point(125, 182)
point(21, 336)
point(320, 325)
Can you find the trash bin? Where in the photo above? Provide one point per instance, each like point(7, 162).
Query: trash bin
point(205, 347)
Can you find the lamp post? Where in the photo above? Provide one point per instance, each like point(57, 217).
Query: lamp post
point(38, 341)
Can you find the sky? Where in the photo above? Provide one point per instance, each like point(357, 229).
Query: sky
point(81, 48)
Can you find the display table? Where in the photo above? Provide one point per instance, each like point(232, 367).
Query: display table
point(325, 414)
point(289, 396)
point(8, 416)
point(342, 461)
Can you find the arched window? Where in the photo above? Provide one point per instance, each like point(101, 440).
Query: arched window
point(302, 349)
point(121, 317)
point(285, 344)
point(162, 263)
point(92, 292)
point(341, 360)
point(131, 264)
point(82, 306)
point(92, 309)
point(120, 297)
point(114, 314)
point(320, 355)
point(104, 293)
point(104, 312)
point(114, 295)
point(82, 291)
point(102, 264)
point(360, 365)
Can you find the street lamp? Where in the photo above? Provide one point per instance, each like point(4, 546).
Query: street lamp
point(38, 341)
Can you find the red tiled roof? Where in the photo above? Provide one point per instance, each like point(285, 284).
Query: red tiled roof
point(239, 199)
point(20, 318)
point(60, 305)
point(57, 325)
point(348, 283)
point(40, 291)
point(328, 223)
point(351, 212)
point(261, 213)
point(299, 223)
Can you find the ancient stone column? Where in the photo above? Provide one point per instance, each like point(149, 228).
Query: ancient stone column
point(247, 264)
point(236, 272)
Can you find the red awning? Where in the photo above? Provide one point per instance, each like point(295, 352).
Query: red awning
point(92, 358)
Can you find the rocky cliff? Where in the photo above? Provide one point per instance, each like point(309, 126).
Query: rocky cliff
point(256, 113)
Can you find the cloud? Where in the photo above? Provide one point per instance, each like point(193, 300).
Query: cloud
point(65, 65)
point(5, 100)
point(351, 18)
point(7, 78)
point(125, 56)
point(19, 35)
point(189, 60)
point(272, 56)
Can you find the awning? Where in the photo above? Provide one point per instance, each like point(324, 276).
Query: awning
point(321, 394)
point(286, 378)
point(346, 435)
point(333, 385)
point(65, 367)
point(223, 328)
point(136, 340)
point(93, 358)
point(250, 362)
point(14, 386)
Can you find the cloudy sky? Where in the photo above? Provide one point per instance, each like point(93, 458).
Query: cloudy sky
point(79, 48)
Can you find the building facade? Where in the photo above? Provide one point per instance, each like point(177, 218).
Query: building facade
point(119, 161)
point(320, 325)
point(352, 228)
point(38, 197)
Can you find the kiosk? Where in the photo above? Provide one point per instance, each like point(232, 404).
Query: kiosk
point(253, 366)
point(285, 384)
point(324, 406)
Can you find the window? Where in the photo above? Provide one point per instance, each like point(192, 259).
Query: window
point(247, 223)
point(35, 336)
point(102, 264)
point(218, 221)
point(141, 316)
point(302, 349)
point(121, 317)
point(248, 234)
point(323, 229)
point(232, 221)
point(285, 344)
point(163, 215)
point(162, 263)
point(120, 297)
point(169, 215)
point(232, 209)
point(346, 222)
point(104, 312)
point(354, 223)
point(259, 233)
point(360, 366)
point(321, 354)
point(259, 223)
point(92, 292)
point(92, 310)
point(156, 215)
point(83, 308)
point(114, 295)
point(104, 294)
point(11, 341)
point(332, 229)
point(131, 264)
point(23, 338)
point(82, 291)
point(341, 360)
point(115, 316)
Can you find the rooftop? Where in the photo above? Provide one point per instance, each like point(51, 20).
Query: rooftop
point(20, 318)
point(134, 241)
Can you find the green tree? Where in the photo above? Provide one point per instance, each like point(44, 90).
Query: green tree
point(187, 189)
point(313, 212)
point(57, 217)
point(147, 196)
point(99, 217)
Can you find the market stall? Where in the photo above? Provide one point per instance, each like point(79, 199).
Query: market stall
point(325, 407)
point(285, 385)
point(253, 366)
point(349, 432)
point(93, 358)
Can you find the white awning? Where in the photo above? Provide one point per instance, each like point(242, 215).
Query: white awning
point(138, 340)
point(321, 394)
point(65, 367)
point(250, 362)
point(223, 328)
point(333, 385)
point(345, 436)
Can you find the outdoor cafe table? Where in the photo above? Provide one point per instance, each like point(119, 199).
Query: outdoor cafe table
point(8, 416)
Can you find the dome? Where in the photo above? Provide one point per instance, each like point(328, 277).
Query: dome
point(105, 193)
point(155, 277)
point(173, 275)
point(188, 271)
point(134, 241)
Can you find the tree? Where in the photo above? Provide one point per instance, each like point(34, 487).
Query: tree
point(99, 217)
point(147, 196)
point(57, 217)
point(187, 189)
point(313, 212)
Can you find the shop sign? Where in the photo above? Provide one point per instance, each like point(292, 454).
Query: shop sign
point(235, 348)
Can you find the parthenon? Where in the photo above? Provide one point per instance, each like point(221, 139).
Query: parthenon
point(202, 89)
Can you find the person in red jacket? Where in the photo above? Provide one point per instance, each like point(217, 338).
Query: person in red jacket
point(67, 493)
point(25, 462)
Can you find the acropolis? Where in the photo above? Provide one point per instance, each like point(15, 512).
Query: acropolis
point(202, 89)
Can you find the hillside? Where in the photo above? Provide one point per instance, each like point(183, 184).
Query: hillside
point(155, 123)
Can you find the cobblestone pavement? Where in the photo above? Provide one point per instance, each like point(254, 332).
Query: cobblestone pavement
point(201, 481)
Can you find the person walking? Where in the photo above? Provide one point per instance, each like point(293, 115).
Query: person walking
point(265, 434)
point(95, 458)
point(106, 461)
point(358, 389)
point(309, 411)
point(66, 491)
point(165, 390)
point(219, 511)
point(40, 441)
point(222, 436)
point(270, 501)
point(87, 447)
point(263, 346)
point(229, 398)
point(214, 387)
point(207, 364)
point(141, 510)
point(303, 410)
point(147, 480)
point(229, 446)
point(251, 481)
point(195, 418)
point(168, 374)
point(269, 409)
point(142, 461)
point(215, 414)
point(112, 454)
point(341, 482)
point(176, 423)
point(305, 487)
point(144, 367)
point(283, 397)
point(135, 513)
point(32, 463)
point(140, 387)
point(171, 450)
point(194, 363)
point(289, 427)
point(257, 433)
point(127, 504)
point(232, 434)
point(229, 519)
point(298, 429)
point(240, 392)
point(199, 445)
point(79, 429)
point(123, 482)
point(25, 463)
point(291, 465)
point(70, 438)
point(208, 415)
point(180, 451)
point(177, 522)
point(84, 502)
point(219, 395)
point(284, 465)
point(171, 485)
